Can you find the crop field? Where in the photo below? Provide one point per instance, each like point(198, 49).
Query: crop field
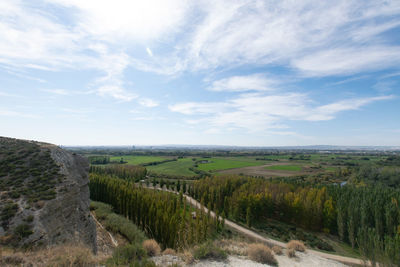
point(295, 168)
point(228, 163)
point(179, 167)
point(136, 160)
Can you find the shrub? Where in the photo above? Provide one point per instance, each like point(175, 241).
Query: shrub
point(188, 257)
point(291, 253)
point(169, 251)
point(151, 247)
point(128, 254)
point(277, 250)
point(296, 245)
point(22, 231)
point(261, 253)
point(209, 251)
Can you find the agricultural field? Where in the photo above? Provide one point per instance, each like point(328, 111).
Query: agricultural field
point(136, 160)
point(295, 168)
point(215, 163)
point(178, 168)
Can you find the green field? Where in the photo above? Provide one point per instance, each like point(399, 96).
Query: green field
point(136, 160)
point(179, 167)
point(294, 168)
point(228, 163)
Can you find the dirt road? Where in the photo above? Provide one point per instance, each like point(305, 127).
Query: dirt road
point(272, 242)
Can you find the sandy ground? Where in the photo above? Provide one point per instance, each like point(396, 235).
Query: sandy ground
point(302, 259)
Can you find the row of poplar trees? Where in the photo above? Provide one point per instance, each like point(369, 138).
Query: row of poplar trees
point(164, 216)
point(127, 172)
point(368, 218)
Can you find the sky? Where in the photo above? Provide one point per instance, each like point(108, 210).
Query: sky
point(226, 72)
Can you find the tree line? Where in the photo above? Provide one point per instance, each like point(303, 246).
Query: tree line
point(163, 216)
point(126, 172)
point(366, 217)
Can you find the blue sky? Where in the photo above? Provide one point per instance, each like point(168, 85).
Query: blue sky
point(248, 73)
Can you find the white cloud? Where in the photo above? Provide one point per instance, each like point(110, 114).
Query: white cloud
point(344, 61)
point(56, 91)
point(317, 38)
point(148, 103)
point(125, 20)
point(115, 92)
point(148, 50)
point(255, 82)
point(192, 108)
point(258, 112)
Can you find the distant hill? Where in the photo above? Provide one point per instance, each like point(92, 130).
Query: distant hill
point(44, 195)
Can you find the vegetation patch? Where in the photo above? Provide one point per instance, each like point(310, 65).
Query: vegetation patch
point(213, 164)
point(261, 253)
point(117, 223)
point(209, 251)
point(27, 171)
point(151, 247)
point(296, 245)
point(136, 160)
point(181, 167)
point(292, 168)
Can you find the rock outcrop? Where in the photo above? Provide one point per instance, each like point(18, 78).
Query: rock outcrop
point(51, 203)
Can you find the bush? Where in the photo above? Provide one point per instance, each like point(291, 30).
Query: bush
point(22, 231)
point(117, 223)
point(209, 251)
point(277, 250)
point(296, 245)
point(169, 251)
point(291, 253)
point(261, 253)
point(188, 257)
point(151, 247)
point(128, 254)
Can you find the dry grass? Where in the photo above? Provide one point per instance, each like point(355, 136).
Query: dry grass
point(261, 253)
point(63, 255)
point(232, 246)
point(169, 251)
point(188, 257)
point(277, 250)
point(151, 247)
point(296, 245)
point(291, 253)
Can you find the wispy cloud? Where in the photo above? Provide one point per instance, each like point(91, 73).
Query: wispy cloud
point(148, 103)
point(258, 112)
point(149, 51)
point(56, 91)
point(255, 82)
point(9, 95)
point(11, 113)
point(115, 92)
point(344, 61)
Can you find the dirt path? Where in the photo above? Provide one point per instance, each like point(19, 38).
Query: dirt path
point(272, 242)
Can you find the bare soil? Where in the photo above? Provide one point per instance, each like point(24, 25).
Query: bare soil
point(262, 171)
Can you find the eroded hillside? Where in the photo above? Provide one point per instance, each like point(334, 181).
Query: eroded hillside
point(44, 195)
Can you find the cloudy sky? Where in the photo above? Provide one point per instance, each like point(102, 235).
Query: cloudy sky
point(224, 72)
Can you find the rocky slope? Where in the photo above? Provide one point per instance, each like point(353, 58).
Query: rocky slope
point(44, 195)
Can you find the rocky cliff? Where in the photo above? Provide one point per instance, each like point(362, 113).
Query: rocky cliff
point(44, 195)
